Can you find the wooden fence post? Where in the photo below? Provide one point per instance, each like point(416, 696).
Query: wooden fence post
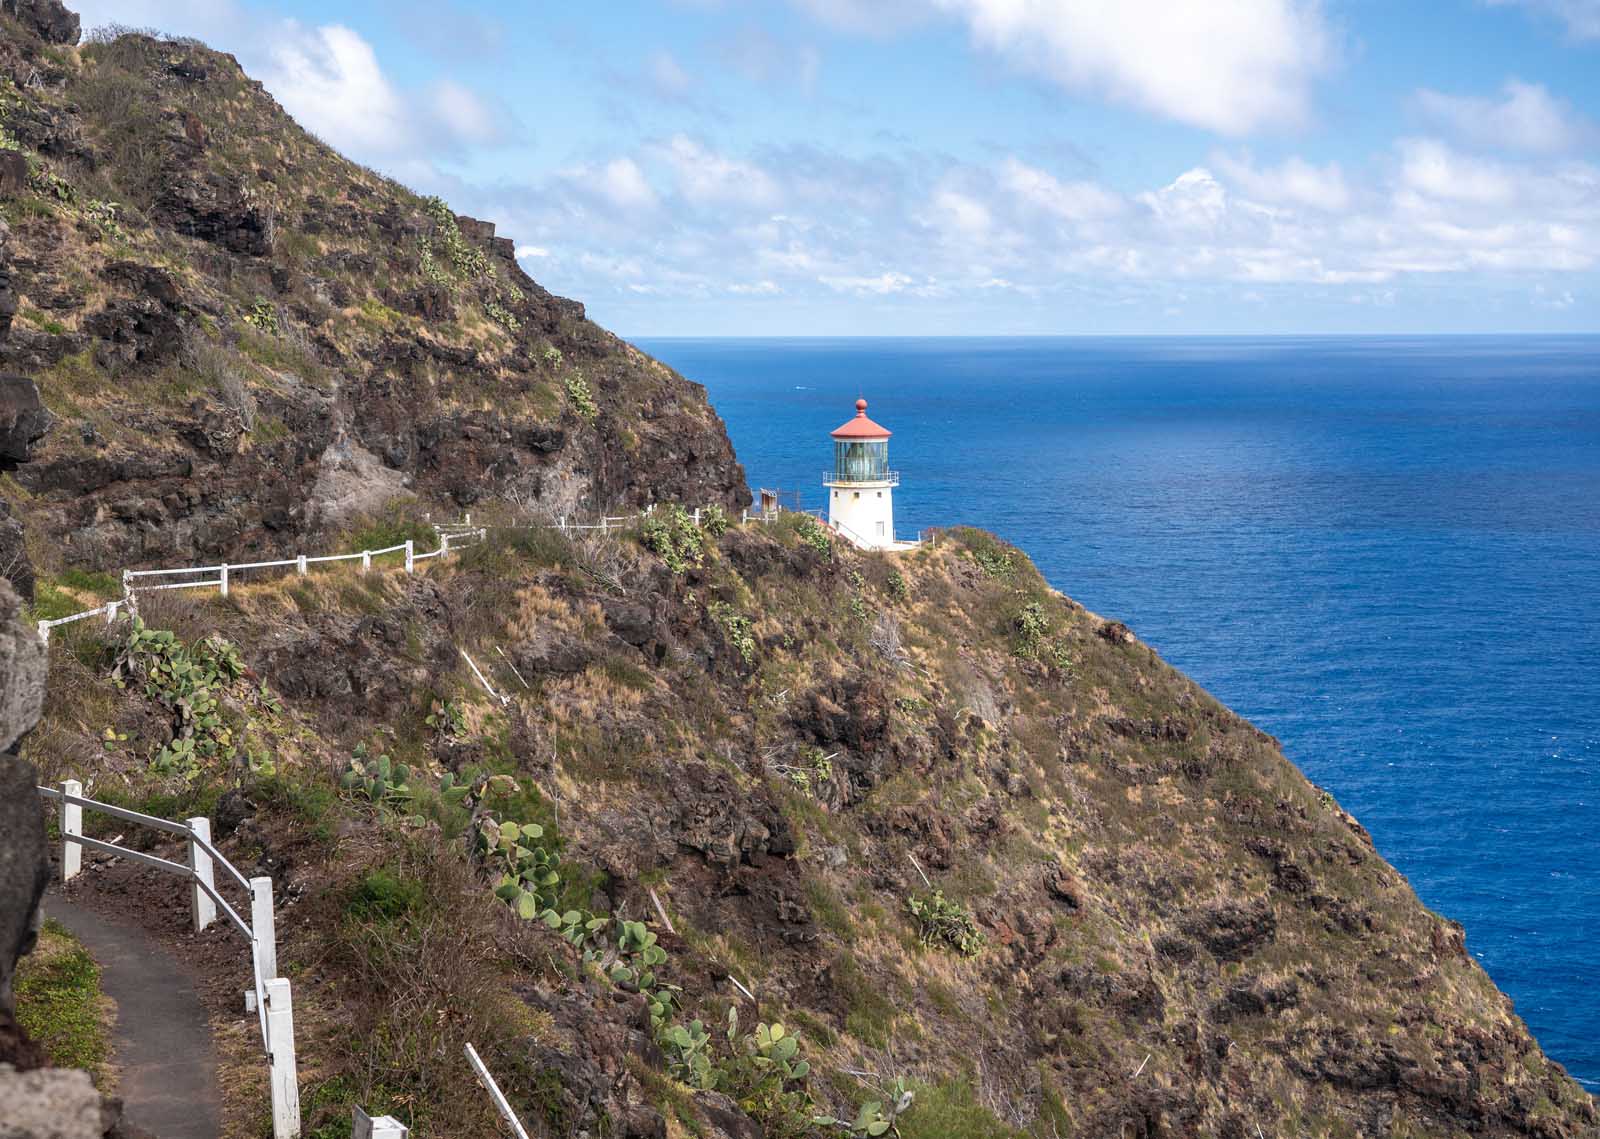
point(366, 560)
point(411, 556)
point(280, 1047)
point(205, 910)
point(71, 825)
point(264, 926)
point(300, 565)
point(223, 581)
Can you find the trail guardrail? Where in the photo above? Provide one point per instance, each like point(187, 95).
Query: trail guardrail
point(269, 998)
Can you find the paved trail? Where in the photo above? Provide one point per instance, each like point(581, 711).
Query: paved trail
point(162, 1040)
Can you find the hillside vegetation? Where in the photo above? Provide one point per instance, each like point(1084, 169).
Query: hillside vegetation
point(771, 839)
point(1137, 917)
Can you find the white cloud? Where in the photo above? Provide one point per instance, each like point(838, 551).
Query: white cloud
point(624, 185)
point(1581, 17)
point(1070, 201)
point(1232, 66)
point(329, 79)
point(531, 252)
point(881, 285)
point(924, 226)
point(960, 215)
point(1432, 169)
point(464, 115)
point(1525, 117)
point(706, 177)
point(1293, 182)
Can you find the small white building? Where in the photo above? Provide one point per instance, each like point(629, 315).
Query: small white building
point(861, 485)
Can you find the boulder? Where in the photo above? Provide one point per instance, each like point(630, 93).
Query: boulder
point(49, 1103)
point(50, 20)
point(24, 864)
point(23, 421)
point(13, 173)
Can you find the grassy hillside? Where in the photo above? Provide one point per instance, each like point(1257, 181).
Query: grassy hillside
point(1136, 916)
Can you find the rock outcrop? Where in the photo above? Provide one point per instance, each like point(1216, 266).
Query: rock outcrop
point(331, 341)
point(23, 862)
point(50, 20)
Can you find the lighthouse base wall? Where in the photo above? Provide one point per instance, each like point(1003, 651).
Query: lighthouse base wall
point(864, 514)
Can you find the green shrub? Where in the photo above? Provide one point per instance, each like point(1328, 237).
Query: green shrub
point(391, 526)
point(946, 924)
point(263, 315)
point(898, 589)
point(383, 895)
point(580, 395)
point(1030, 625)
point(737, 628)
point(813, 534)
point(191, 681)
point(501, 546)
point(670, 533)
point(714, 521)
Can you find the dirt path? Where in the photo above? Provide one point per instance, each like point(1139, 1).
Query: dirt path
point(162, 1039)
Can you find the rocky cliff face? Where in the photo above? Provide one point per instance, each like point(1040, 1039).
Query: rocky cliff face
point(245, 337)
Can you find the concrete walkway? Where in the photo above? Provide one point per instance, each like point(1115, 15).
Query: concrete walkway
point(162, 1040)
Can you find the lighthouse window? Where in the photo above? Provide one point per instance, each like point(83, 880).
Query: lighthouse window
point(860, 462)
point(857, 494)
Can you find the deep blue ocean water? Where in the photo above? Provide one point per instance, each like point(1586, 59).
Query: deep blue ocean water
point(1385, 551)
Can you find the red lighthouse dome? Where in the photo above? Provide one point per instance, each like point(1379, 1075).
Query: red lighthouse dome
point(861, 427)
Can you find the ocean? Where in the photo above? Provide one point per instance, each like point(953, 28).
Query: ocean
point(1383, 550)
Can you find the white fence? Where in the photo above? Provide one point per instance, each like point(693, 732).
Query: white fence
point(452, 536)
point(269, 997)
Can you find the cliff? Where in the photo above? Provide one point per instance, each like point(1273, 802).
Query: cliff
point(246, 337)
point(960, 837)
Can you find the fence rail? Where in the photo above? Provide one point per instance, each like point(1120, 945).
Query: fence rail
point(270, 997)
point(452, 536)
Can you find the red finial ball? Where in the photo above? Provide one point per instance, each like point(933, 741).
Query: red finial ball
point(861, 407)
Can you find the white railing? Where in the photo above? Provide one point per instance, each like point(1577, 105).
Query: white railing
point(452, 536)
point(270, 996)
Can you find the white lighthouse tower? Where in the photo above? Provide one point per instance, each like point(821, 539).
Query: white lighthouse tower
point(861, 485)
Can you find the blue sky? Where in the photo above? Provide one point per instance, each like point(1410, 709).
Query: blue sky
point(850, 167)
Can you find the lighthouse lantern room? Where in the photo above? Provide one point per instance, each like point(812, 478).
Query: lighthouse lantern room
point(861, 485)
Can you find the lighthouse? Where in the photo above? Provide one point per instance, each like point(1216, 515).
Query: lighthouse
point(861, 485)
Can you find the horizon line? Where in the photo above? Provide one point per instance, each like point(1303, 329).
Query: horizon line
point(1100, 335)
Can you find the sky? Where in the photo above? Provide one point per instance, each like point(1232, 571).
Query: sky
point(977, 167)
